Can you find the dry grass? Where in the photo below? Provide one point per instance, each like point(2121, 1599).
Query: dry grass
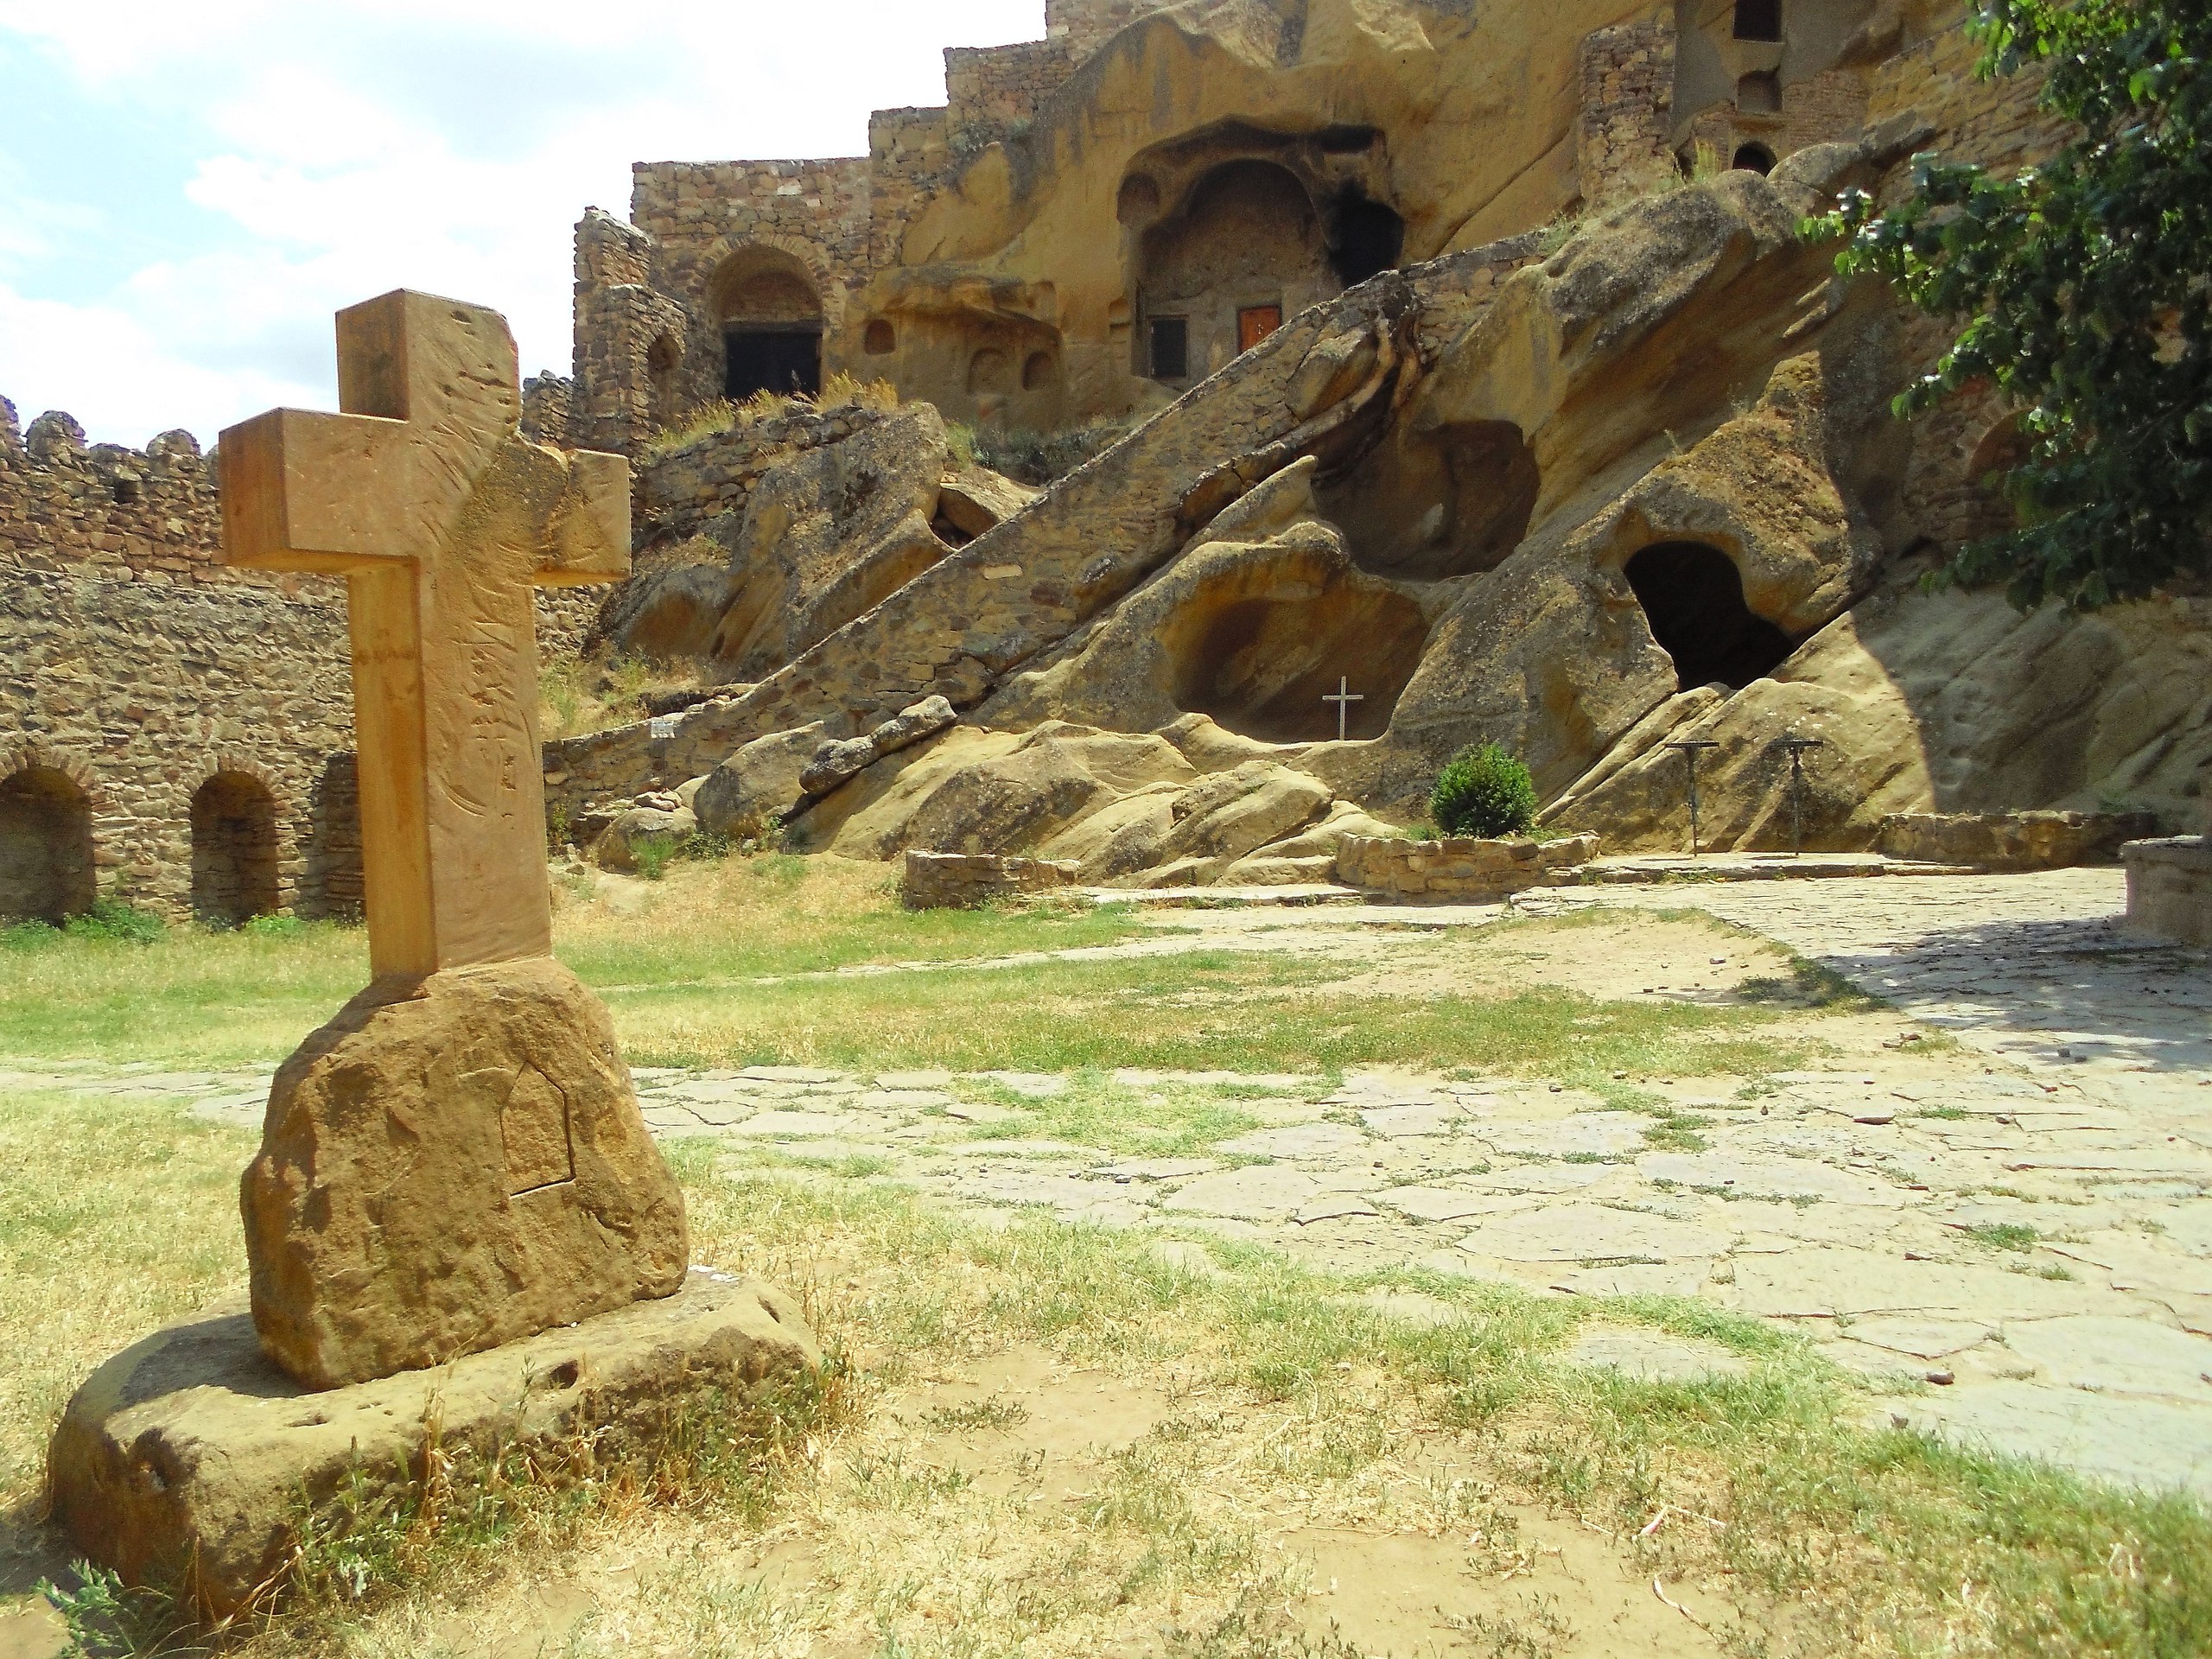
point(1063, 1444)
point(841, 390)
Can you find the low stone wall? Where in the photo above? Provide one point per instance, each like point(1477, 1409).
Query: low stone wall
point(965, 880)
point(2012, 840)
point(1459, 869)
point(2169, 888)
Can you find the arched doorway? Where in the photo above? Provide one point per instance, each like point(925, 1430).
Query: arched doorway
point(1247, 249)
point(770, 314)
point(234, 850)
point(46, 847)
point(1693, 597)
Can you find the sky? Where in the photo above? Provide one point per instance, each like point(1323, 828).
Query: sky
point(188, 193)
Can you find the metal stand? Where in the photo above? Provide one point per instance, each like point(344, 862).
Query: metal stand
point(1689, 749)
point(1796, 747)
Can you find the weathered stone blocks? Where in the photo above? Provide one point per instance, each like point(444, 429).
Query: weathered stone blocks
point(449, 1164)
point(2169, 888)
point(2012, 840)
point(1460, 869)
point(189, 1460)
point(966, 881)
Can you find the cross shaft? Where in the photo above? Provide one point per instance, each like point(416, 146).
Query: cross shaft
point(424, 497)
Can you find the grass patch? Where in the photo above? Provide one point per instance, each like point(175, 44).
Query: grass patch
point(2004, 1235)
point(1811, 985)
point(1286, 1406)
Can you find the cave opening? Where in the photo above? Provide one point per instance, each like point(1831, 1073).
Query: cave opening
point(1258, 652)
point(1693, 597)
point(1368, 239)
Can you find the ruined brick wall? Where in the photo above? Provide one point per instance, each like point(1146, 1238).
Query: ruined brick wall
point(619, 318)
point(140, 670)
point(1085, 25)
point(678, 492)
point(991, 90)
point(910, 159)
point(1994, 122)
point(1628, 99)
point(547, 400)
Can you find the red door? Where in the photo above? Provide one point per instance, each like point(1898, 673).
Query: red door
point(1255, 323)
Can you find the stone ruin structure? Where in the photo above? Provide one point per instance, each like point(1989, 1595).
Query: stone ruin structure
point(1470, 355)
point(1095, 222)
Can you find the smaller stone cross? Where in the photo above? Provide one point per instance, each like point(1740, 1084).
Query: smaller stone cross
point(1343, 697)
point(425, 498)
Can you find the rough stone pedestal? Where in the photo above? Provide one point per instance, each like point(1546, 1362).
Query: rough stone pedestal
point(2170, 888)
point(450, 1164)
point(189, 1460)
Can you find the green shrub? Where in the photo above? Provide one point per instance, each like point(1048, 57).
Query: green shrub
point(653, 854)
point(273, 926)
point(1484, 792)
point(117, 921)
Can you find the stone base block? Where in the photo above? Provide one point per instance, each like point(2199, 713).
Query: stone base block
point(964, 881)
point(1459, 870)
point(450, 1164)
point(190, 1461)
point(2169, 888)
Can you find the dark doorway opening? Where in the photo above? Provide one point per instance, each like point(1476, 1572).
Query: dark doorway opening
point(1693, 596)
point(46, 847)
point(234, 850)
point(1754, 158)
point(1758, 20)
point(784, 360)
point(1370, 239)
point(1170, 348)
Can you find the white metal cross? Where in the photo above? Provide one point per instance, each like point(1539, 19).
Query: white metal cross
point(1344, 697)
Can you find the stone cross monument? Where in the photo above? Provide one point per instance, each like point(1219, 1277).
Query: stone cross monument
point(440, 518)
point(457, 1159)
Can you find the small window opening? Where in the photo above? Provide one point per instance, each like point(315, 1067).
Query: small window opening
point(1753, 158)
point(1693, 597)
point(1758, 20)
point(1255, 323)
point(880, 339)
point(1370, 239)
point(1036, 373)
point(1760, 94)
point(1170, 348)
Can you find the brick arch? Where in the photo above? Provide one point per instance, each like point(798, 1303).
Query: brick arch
point(47, 800)
point(238, 831)
point(714, 257)
point(29, 753)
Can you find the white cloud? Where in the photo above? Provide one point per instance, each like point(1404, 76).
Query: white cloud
point(343, 149)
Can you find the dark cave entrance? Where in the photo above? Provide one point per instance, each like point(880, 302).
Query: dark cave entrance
point(1693, 596)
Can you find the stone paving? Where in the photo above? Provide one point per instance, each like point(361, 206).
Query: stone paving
point(2011, 1239)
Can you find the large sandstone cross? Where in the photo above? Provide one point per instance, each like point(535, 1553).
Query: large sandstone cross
point(425, 498)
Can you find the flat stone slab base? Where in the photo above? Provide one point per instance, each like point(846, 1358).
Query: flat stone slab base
point(188, 1461)
point(2169, 888)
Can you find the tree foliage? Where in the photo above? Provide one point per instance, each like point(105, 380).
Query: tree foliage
point(1483, 792)
point(2086, 284)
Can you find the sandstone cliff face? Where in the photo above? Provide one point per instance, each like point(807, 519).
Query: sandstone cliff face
point(1646, 488)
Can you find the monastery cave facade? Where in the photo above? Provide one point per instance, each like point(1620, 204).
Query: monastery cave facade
point(1094, 222)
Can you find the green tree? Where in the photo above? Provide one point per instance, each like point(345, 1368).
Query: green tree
point(2086, 284)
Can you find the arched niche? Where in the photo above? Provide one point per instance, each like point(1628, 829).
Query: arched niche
point(1692, 598)
point(769, 312)
point(1247, 242)
point(234, 851)
point(46, 847)
point(881, 338)
point(1752, 158)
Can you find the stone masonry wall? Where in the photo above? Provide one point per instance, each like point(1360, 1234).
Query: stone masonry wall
point(139, 668)
point(1994, 122)
point(676, 494)
point(992, 89)
point(1628, 99)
